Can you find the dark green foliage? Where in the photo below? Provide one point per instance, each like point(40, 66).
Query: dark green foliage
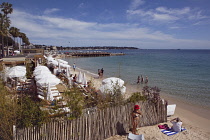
point(29, 70)
point(136, 97)
point(75, 101)
point(29, 113)
point(7, 113)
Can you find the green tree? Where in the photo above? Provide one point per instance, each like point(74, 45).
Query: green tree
point(29, 113)
point(6, 8)
point(15, 33)
point(75, 101)
point(8, 109)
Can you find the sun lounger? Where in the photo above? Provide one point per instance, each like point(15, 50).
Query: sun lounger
point(41, 97)
point(171, 109)
point(135, 137)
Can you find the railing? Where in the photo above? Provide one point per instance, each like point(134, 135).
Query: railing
point(96, 125)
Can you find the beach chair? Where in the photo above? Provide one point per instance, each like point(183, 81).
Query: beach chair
point(171, 109)
point(135, 137)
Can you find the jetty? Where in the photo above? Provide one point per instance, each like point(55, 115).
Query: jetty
point(91, 54)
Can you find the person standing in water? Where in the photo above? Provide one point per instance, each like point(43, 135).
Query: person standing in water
point(135, 118)
point(142, 79)
point(138, 80)
point(146, 80)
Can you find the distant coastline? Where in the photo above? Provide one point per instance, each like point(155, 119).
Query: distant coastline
point(98, 48)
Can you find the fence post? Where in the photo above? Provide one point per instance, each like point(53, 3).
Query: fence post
point(14, 132)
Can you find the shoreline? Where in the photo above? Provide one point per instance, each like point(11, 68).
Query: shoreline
point(194, 117)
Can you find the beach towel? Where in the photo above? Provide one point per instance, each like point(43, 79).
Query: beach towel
point(171, 132)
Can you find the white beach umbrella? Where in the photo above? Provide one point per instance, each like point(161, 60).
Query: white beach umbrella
point(38, 77)
point(84, 80)
point(62, 61)
point(50, 58)
point(41, 68)
point(45, 81)
point(108, 88)
point(17, 71)
point(53, 62)
point(59, 67)
point(68, 73)
point(49, 93)
point(113, 81)
point(109, 85)
point(41, 72)
point(64, 65)
point(79, 77)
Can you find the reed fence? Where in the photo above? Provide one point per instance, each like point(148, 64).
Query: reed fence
point(96, 125)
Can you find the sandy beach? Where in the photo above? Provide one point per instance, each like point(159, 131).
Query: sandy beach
point(195, 119)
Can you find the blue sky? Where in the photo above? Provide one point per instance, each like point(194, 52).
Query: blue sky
point(147, 24)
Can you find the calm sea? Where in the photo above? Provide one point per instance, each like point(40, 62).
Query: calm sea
point(184, 74)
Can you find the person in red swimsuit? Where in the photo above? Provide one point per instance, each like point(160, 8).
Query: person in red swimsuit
point(135, 118)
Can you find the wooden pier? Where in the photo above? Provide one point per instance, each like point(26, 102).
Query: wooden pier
point(91, 54)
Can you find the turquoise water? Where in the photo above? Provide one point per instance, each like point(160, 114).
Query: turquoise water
point(184, 74)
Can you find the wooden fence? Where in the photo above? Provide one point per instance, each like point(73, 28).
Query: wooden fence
point(96, 125)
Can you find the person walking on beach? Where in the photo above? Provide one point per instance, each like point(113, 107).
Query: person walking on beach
point(177, 124)
point(138, 80)
point(135, 118)
point(146, 80)
point(74, 66)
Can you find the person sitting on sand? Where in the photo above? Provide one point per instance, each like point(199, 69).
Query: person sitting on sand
point(135, 118)
point(177, 124)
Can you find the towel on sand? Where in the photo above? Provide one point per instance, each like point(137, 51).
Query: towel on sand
point(171, 132)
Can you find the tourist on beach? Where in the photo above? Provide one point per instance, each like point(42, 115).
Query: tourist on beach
point(177, 124)
point(135, 118)
point(146, 80)
point(99, 73)
point(142, 79)
point(138, 80)
point(74, 66)
point(75, 78)
point(102, 72)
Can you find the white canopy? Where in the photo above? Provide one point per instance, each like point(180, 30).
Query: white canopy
point(54, 62)
point(84, 80)
point(17, 71)
point(50, 58)
point(38, 77)
point(49, 93)
point(45, 81)
point(109, 85)
point(62, 61)
point(68, 72)
point(41, 72)
point(113, 81)
point(64, 65)
point(79, 77)
point(41, 68)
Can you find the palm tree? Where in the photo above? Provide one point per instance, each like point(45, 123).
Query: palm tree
point(24, 39)
point(6, 8)
point(14, 32)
